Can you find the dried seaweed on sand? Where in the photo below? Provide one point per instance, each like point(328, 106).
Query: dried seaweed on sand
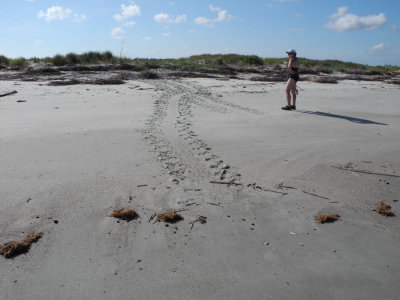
point(169, 217)
point(12, 249)
point(384, 210)
point(127, 214)
point(327, 218)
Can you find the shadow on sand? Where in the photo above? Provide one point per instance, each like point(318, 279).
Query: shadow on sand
point(351, 119)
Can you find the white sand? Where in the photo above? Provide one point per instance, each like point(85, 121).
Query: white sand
point(75, 153)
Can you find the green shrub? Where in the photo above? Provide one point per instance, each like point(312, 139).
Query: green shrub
point(18, 62)
point(59, 60)
point(107, 57)
point(72, 58)
point(220, 59)
point(4, 60)
point(35, 59)
point(254, 60)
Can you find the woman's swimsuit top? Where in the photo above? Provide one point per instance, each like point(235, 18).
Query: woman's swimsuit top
point(295, 76)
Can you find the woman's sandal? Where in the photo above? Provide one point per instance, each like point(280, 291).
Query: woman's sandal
point(287, 107)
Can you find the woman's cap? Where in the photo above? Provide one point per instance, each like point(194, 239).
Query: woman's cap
point(291, 51)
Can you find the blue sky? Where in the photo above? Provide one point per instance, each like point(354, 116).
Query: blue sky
point(351, 30)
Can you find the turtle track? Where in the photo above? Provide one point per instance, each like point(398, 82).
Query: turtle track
point(170, 132)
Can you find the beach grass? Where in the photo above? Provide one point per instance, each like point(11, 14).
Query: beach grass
point(201, 63)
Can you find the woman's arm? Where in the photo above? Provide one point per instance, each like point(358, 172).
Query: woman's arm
point(290, 65)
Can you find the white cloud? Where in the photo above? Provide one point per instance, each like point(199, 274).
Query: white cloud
point(147, 38)
point(222, 16)
point(117, 33)
point(181, 19)
point(129, 24)
point(380, 48)
point(166, 34)
point(204, 22)
point(127, 12)
point(344, 21)
point(55, 13)
point(60, 13)
point(163, 18)
point(395, 28)
point(166, 18)
point(38, 42)
point(79, 18)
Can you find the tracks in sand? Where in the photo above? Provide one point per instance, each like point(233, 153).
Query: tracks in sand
point(170, 132)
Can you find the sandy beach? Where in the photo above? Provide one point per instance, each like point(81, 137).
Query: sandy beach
point(216, 148)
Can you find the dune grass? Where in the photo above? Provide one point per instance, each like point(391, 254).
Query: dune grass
point(200, 63)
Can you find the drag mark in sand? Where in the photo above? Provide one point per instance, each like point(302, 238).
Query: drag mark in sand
point(153, 133)
point(171, 133)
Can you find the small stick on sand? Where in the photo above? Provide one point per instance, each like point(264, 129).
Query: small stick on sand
point(152, 217)
point(315, 195)
point(201, 219)
point(216, 204)
point(364, 172)
point(224, 182)
point(272, 191)
point(8, 93)
point(281, 186)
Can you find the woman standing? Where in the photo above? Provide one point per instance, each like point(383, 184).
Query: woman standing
point(293, 77)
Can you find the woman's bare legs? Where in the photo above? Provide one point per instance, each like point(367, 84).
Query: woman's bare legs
point(291, 89)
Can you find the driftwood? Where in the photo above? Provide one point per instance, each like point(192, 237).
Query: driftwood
point(272, 191)
point(226, 182)
point(315, 195)
point(215, 204)
point(280, 186)
point(364, 172)
point(8, 93)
